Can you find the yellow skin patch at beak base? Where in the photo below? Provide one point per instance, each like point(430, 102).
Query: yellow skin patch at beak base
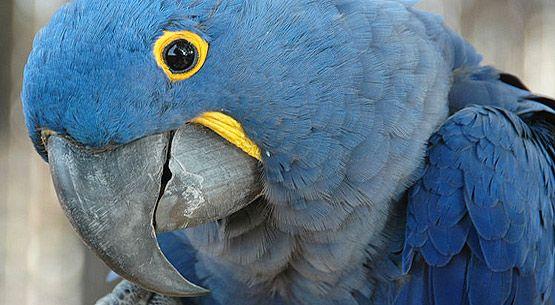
point(231, 130)
point(45, 134)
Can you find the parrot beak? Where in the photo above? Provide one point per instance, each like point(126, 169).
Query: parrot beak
point(118, 199)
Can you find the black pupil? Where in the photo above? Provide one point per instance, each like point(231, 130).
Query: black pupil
point(180, 56)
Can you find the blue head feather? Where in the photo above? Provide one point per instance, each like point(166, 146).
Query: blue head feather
point(92, 74)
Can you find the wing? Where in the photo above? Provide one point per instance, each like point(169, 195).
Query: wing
point(480, 220)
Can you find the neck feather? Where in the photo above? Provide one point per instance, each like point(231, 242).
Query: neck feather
point(254, 256)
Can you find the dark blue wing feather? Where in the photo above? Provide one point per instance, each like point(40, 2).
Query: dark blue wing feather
point(480, 220)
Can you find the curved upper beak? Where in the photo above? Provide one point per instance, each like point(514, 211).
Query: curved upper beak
point(118, 199)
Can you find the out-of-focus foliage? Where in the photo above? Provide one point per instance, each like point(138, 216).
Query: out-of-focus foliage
point(43, 262)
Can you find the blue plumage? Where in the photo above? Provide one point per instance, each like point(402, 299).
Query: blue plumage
point(490, 214)
point(342, 97)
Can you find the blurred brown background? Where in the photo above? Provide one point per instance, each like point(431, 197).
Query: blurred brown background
point(43, 262)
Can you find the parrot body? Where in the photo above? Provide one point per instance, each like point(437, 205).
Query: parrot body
point(342, 97)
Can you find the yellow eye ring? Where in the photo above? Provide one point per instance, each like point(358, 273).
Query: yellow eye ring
point(180, 54)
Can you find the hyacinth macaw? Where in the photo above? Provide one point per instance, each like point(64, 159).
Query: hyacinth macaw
point(293, 152)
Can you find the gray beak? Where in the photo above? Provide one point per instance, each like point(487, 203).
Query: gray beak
point(118, 199)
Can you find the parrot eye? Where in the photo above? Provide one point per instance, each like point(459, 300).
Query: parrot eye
point(180, 54)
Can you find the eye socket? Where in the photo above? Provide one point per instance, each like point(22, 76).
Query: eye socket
point(180, 54)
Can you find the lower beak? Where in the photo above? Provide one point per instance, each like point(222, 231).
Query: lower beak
point(118, 199)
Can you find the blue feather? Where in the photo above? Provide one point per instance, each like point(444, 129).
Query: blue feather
point(496, 231)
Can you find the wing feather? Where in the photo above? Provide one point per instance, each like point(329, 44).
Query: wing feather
point(480, 220)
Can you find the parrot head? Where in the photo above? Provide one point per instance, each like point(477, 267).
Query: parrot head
point(111, 73)
point(158, 115)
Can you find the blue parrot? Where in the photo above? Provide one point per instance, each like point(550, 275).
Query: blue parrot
point(293, 152)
